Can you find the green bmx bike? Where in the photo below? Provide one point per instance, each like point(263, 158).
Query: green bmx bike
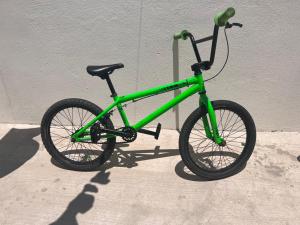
point(215, 141)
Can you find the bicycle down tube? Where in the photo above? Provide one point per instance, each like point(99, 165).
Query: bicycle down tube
point(197, 85)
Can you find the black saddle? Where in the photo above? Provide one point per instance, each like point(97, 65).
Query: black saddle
point(103, 71)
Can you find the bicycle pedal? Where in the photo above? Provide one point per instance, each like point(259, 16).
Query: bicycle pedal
point(152, 133)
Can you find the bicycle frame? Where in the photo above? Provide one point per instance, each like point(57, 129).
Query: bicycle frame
point(197, 85)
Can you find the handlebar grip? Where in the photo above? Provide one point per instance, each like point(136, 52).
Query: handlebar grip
point(222, 17)
point(182, 35)
point(177, 36)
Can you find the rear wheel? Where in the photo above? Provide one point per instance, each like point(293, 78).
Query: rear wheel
point(207, 159)
point(63, 119)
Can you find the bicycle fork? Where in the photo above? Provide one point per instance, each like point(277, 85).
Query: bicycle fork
point(210, 121)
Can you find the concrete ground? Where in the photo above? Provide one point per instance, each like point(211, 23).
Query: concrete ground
point(148, 184)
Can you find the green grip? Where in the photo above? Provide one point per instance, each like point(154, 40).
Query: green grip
point(181, 35)
point(222, 17)
point(177, 36)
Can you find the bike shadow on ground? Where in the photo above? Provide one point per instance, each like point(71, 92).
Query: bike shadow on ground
point(84, 201)
point(16, 148)
point(130, 158)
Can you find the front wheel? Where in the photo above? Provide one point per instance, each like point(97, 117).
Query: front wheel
point(209, 160)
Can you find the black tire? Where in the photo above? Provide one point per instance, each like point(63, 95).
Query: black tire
point(66, 109)
point(202, 163)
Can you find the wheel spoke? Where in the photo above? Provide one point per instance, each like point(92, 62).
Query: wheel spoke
point(210, 156)
point(67, 130)
point(64, 123)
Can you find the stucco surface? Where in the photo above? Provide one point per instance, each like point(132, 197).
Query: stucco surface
point(46, 45)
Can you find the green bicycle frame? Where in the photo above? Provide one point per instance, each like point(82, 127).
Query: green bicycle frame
point(196, 84)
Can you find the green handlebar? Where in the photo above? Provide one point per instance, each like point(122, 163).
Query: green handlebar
point(220, 20)
point(182, 35)
point(177, 36)
point(222, 17)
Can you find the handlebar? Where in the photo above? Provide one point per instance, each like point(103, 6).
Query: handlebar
point(186, 34)
point(182, 35)
point(221, 19)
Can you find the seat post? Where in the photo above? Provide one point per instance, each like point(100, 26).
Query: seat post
point(111, 87)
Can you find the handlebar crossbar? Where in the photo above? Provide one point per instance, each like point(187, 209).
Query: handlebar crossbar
point(221, 19)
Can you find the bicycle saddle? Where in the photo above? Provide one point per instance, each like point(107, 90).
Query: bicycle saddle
point(104, 70)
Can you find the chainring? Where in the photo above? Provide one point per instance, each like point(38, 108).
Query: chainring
point(130, 134)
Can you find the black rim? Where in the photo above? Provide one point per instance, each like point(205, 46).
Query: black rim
point(208, 155)
point(63, 124)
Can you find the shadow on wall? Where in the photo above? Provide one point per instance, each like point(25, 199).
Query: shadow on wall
point(17, 147)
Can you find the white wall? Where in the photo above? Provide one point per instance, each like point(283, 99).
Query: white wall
point(46, 45)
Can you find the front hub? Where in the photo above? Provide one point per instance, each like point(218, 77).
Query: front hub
point(220, 141)
point(223, 143)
